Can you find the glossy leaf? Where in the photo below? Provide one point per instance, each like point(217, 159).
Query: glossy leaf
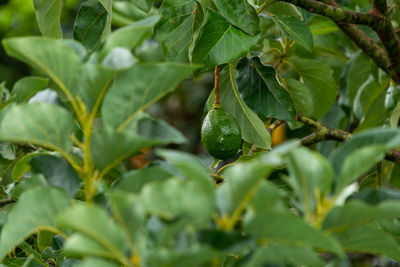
point(181, 19)
point(369, 240)
point(261, 91)
point(389, 138)
point(42, 124)
point(191, 168)
point(27, 87)
point(138, 87)
point(110, 147)
point(58, 172)
point(89, 262)
point(253, 129)
point(90, 23)
point(359, 162)
point(129, 214)
point(134, 180)
point(144, 5)
point(79, 245)
point(356, 213)
point(357, 75)
point(221, 42)
point(48, 13)
point(290, 255)
point(36, 210)
point(311, 179)
point(93, 83)
point(368, 93)
point(296, 30)
point(119, 58)
point(53, 57)
point(156, 129)
point(242, 182)
point(301, 96)
point(239, 13)
point(94, 223)
point(165, 198)
point(318, 77)
point(129, 36)
point(284, 228)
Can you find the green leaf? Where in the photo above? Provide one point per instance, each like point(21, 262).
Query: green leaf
point(44, 239)
point(129, 36)
point(93, 222)
point(221, 42)
point(165, 198)
point(367, 239)
point(261, 91)
point(358, 74)
point(53, 57)
point(283, 228)
point(90, 262)
point(78, 245)
point(110, 147)
point(26, 87)
point(239, 13)
point(242, 182)
point(311, 179)
point(41, 124)
point(156, 129)
point(36, 210)
point(359, 162)
point(58, 172)
point(48, 13)
point(284, 254)
point(319, 78)
point(144, 5)
point(253, 129)
point(367, 94)
point(356, 213)
point(22, 166)
point(93, 83)
point(190, 167)
point(138, 87)
point(129, 214)
point(177, 30)
point(301, 96)
point(119, 58)
point(390, 138)
point(90, 23)
point(134, 180)
point(296, 30)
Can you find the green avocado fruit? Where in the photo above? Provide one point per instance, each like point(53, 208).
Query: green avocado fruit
point(220, 134)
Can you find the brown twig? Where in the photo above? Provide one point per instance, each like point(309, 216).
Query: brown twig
point(216, 86)
point(325, 133)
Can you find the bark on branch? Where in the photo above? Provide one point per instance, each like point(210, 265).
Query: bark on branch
point(325, 133)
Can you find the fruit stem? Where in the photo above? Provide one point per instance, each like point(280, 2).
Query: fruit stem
point(216, 87)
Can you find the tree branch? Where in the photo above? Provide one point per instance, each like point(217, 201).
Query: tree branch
point(377, 18)
point(338, 14)
point(325, 133)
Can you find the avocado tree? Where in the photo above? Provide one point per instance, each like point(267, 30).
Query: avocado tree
point(326, 71)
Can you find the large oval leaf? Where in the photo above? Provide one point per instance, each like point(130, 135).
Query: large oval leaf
point(261, 91)
point(139, 87)
point(53, 57)
point(35, 210)
point(239, 13)
point(181, 19)
point(253, 129)
point(48, 13)
point(41, 124)
point(221, 42)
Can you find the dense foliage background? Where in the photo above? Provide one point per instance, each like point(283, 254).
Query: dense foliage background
point(101, 162)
